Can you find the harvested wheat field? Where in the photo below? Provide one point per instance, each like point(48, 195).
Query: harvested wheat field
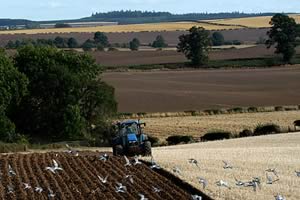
point(250, 22)
point(249, 157)
point(199, 125)
point(170, 26)
point(173, 91)
point(78, 178)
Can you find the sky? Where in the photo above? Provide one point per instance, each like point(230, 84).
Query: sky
point(72, 9)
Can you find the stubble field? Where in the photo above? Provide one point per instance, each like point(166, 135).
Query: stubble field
point(249, 157)
point(199, 125)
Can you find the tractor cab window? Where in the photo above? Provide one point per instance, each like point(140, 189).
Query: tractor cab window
point(130, 129)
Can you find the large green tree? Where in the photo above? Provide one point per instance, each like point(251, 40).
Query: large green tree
point(217, 39)
point(134, 44)
point(66, 95)
point(283, 35)
point(13, 86)
point(101, 38)
point(159, 42)
point(195, 45)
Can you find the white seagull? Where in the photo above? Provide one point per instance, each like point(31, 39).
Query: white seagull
point(142, 197)
point(50, 193)
point(127, 162)
point(154, 165)
point(103, 180)
point(193, 161)
point(176, 170)
point(226, 165)
point(297, 173)
point(26, 186)
point(156, 190)
point(279, 197)
point(130, 178)
point(72, 151)
point(136, 161)
point(203, 182)
point(196, 197)
point(38, 189)
point(11, 172)
point(120, 188)
point(222, 183)
point(10, 189)
point(54, 168)
point(270, 179)
point(104, 157)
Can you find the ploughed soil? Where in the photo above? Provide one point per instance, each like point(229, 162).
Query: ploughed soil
point(171, 37)
point(130, 58)
point(78, 179)
point(171, 91)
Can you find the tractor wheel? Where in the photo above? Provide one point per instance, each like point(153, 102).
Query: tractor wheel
point(118, 150)
point(147, 149)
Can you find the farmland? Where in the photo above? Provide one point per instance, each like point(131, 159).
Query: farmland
point(171, 37)
point(78, 178)
point(167, 91)
point(250, 22)
point(199, 125)
point(130, 58)
point(250, 157)
point(171, 26)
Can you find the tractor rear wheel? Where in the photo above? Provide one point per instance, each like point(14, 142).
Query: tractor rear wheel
point(147, 149)
point(118, 150)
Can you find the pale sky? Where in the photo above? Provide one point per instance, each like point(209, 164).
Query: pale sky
point(70, 9)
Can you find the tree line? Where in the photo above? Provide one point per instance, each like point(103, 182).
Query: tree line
point(52, 95)
point(284, 35)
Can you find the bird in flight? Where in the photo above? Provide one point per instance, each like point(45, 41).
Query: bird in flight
point(104, 157)
point(196, 197)
point(50, 193)
point(72, 151)
point(142, 197)
point(103, 180)
point(227, 165)
point(193, 161)
point(222, 183)
point(26, 186)
point(120, 188)
point(156, 190)
point(279, 197)
point(38, 189)
point(203, 182)
point(154, 165)
point(54, 168)
point(297, 173)
point(136, 161)
point(127, 162)
point(11, 172)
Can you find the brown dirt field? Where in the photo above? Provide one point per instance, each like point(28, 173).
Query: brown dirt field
point(79, 180)
point(127, 58)
point(171, 37)
point(167, 91)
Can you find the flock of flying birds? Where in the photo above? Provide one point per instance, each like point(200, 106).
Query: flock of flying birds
point(271, 175)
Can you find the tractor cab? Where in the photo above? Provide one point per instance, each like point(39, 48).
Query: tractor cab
point(130, 139)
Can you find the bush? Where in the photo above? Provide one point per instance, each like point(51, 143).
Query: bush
point(154, 140)
point(236, 110)
point(177, 139)
point(265, 129)
point(246, 133)
point(216, 135)
point(279, 108)
point(252, 109)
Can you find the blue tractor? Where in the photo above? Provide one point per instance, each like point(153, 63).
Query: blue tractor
point(130, 139)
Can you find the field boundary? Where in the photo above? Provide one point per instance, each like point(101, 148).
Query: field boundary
point(207, 112)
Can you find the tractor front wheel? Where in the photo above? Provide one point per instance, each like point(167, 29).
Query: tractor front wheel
point(118, 150)
point(147, 149)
